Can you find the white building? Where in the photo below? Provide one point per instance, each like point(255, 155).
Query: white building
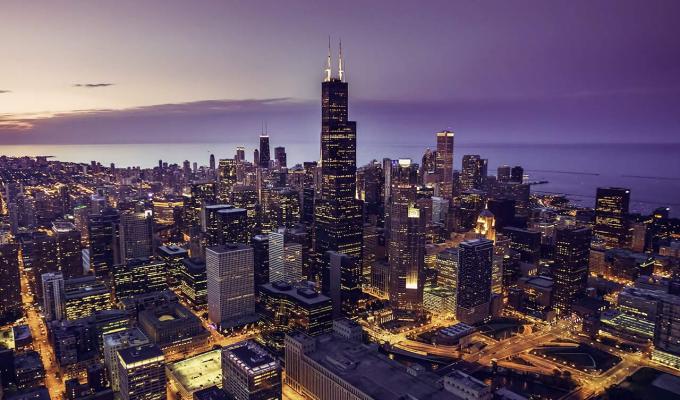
point(231, 293)
point(285, 259)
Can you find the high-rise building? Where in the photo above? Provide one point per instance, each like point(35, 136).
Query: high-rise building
point(280, 156)
point(526, 242)
point(193, 281)
point(611, 217)
point(287, 307)
point(173, 256)
point(447, 269)
point(667, 331)
point(249, 372)
point(231, 293)
point(201, 194)
point(112, 342)
point(570, 271)
point(284, 207)
point(503, 211)
point(406, 246)
point(136, 235)
point(245, 197)
point(139, 276)
point(224, 223)
point(444, 163)
point(85, 295)
point(141, 373)
point(260, 245)
point(344, 293)
point(227, 179)
point(103, 234)
point(338, 366)
point(517, 174)
point(338, 214)
point(264, 151)
point(69, 253)
point(486, 225)
point(503, 173)
point(240, 154)
point(285, 258)
point(474, 280)
point(474, 171)
point(10, 285)
point(53, 295)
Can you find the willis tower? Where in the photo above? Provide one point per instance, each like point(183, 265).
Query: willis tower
point(338, 214)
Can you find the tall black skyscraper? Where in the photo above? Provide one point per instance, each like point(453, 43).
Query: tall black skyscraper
point(570, 271)
point(611, 216)
point(474, 280)
point(264, 151)
point(103, 235)
point(338, 213)
point(10, 288)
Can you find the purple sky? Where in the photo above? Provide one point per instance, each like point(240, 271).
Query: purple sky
point(493, 71)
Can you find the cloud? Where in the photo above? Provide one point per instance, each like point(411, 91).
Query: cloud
point(5, 91)
point(92, 85)
point(587, 117)
point(202, 121)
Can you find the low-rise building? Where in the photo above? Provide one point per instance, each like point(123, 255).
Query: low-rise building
point(338, 366)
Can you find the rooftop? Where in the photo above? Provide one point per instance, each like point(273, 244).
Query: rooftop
point(251, 357)
point(198, 372)
point(229, 247)
point(172, 250)
point(363, 367)
point(540, 281)
point(137, 354)
point(304, 295)
point(133, 336)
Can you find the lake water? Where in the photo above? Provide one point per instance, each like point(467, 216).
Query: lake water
point(651, 171)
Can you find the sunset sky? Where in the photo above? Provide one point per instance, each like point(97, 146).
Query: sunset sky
point(494, 71)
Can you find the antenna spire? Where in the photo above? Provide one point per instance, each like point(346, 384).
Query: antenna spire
point(328, 63)
point(341, 71)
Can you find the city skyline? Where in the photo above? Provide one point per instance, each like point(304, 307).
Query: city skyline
point(342, 260)
point(88, 76)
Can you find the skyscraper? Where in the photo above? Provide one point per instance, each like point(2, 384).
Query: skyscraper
point(503, 173)
point(141, 373)
point(140, 276)
point(264, 151)
point(10, 285)
point(285, 259)
point(261, 259)
point(406, 248)
point(474, 171)
point(339, 220)
point(444, 163)
point(280, 156)
point(517, 174)
point(611, 217)
point(240, 154)
point(227, 179)
point(69, 253)
point(231, 292)
point(212, 162)
point(474, 280)
point(570, 271)
point(249, 372)
point(103, 235)
point(53, 295)
point(136, 235)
